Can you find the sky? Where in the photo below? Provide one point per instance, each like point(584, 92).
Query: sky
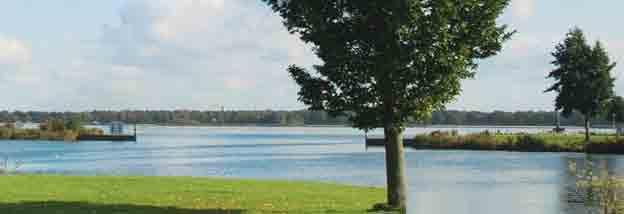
point(74, 55)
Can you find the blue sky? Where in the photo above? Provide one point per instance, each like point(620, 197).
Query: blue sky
point(200, 54)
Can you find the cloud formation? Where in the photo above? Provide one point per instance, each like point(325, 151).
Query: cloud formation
point(14, 52)
point(201, 54)
point(171, 54)
point(216, 49)
point(522, 9)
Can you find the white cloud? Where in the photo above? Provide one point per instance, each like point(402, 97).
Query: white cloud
point(194, 54)
point(199, 54)
point(16, 62)
point(14, 52)
point(522, 9)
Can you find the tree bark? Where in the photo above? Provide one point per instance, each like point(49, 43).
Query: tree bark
point(395, 167)
point(586, 129)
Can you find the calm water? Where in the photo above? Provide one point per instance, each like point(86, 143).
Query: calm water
point(439, 181)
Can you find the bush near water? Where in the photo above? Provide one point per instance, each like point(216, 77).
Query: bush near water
point(55, 129)
point(542, 142)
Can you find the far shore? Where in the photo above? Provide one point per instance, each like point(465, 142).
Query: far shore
point(450, 126)
point(518, 142)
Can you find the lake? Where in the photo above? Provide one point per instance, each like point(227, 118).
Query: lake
point(451, 182)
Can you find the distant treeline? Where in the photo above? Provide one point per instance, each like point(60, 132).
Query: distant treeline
point(290, 118)
point(534, 118)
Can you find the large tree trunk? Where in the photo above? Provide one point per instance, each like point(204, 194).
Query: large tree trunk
point(395, 167)
point(586, 129)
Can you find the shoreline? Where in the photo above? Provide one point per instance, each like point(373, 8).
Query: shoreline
point(520, 142)
point(347, 126)
point(66, 135)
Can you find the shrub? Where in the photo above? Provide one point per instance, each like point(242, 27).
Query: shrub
point(26, 134)
point(5, 133)
point(482, 141)
point(519, 142)
point(70, 135)
point(90, 131)
point(530, 143)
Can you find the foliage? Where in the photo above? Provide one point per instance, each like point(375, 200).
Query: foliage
point(74, 124)
point(178, 195)
point(543, 142)
point(61, 125)
point(582, 77)
point(615, 109)
point(531, 143)
point(388, 62)
point(46, 134)
point(305, 117)
point(53, 125)
point(183, 117)
point(398, 59)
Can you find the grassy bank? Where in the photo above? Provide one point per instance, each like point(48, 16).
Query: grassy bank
point(38, 134)
point(543, 142)
point(24, 194)
point(52, 129)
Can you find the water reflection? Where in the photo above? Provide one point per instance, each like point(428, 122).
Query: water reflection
point(592, 184)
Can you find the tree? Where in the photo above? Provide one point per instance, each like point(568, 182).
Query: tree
point(387, 62)
point(54, 125)
point(582, 77)
point(74, 124)
point(615, 110)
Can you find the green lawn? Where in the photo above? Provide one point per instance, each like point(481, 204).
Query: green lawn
point(24, 194)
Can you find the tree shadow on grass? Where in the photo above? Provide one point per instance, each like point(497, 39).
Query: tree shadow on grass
point(61, 207)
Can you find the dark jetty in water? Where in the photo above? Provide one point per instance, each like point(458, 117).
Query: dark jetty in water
point(106, 138)
point(116, 134)
point(377, 142)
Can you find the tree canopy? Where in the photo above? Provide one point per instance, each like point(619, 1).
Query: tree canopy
point(582, 77)
point(410, 55)
point(615, 109)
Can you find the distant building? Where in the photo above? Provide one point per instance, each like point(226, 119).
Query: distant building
point(18, 125)
point(116, 128)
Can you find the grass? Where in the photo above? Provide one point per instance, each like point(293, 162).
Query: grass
point(543, 142)
point(25, 194)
